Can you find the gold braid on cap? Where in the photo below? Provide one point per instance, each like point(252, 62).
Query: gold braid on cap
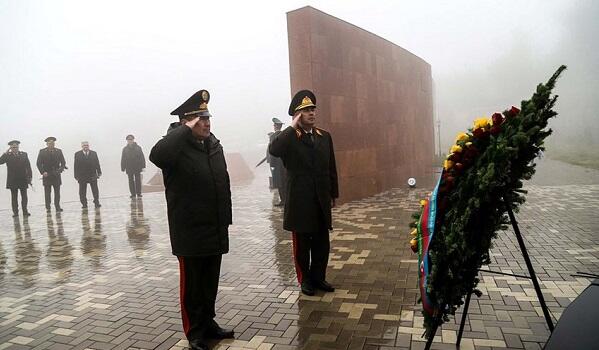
point(306, 102)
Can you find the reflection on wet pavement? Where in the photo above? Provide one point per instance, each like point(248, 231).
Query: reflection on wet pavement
point(106, 279)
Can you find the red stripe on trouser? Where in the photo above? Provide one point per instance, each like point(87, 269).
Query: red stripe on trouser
point(298, 270)
point(184, 315)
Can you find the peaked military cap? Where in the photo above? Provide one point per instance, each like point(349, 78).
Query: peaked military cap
point(196, 104)
point(14, 142)
point(277, 121)
point(50, 138)
point(129, 137)
point(302, 99)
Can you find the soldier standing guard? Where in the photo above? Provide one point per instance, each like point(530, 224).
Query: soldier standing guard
point(198, 196)
point(307, 153)
point(51, 163)
point(276, 165)
point(18, 176)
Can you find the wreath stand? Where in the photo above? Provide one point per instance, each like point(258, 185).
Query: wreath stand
point(532, 276)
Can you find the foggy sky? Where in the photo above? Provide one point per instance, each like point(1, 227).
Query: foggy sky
point(97, 71)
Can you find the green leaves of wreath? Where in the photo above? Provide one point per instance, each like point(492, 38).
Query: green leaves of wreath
point(482, 174)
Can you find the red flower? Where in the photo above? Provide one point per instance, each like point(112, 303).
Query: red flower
point(512, 112)
point(480, 133)
point(455, 157)
point(496, 129)
point(497, 119)
point(458, 167)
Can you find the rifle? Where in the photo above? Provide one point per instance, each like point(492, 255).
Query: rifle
point(262, 161)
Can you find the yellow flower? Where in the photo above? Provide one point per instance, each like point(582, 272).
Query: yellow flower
point(481, 123)
point(468, 144)
point(447, 164)
point(423, 202)
point(414, 232)
point(456, 149)
point(462, 137)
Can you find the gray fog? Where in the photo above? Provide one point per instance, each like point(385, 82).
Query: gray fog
point(97, 71)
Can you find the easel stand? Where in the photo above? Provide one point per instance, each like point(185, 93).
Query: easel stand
point(531, 276)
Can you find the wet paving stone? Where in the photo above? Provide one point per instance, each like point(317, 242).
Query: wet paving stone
point(105, 279)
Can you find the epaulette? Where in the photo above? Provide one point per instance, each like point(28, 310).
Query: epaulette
point(319, 131)
point(298, 133)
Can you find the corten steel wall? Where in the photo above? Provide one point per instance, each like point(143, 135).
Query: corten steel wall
point(373, 96)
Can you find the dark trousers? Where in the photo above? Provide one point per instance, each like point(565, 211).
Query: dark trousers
point(311, 255)
point(83, 192)
point(198, 286)
point(134, 183)
point(47, 189)
point(14, 192)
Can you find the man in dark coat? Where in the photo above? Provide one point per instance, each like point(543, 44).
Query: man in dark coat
point(51, 163)
point(276, 165)
point(198, 196)
point(87, 171)
point(18, 176)
point(307, 153)
point(133, 163)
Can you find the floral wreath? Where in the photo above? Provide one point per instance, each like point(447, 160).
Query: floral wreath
point(482, 175)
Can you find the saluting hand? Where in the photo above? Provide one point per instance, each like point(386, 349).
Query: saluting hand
point(296, 120)
point(44, 174)
point(190, 124)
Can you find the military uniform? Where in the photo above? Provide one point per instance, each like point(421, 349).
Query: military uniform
point(279, 177)
point(18, 177)
point(198, 196)
point(309, 159)
point(52, 162)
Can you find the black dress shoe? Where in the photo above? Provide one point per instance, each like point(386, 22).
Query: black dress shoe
point(198, 344)
point(59, 209)
point(15, 215)
point(26, 213)
point(325, 286)
point(97, 205)
point(307, 288)
point(139, 195)
point(221, 333)
point(132, 196)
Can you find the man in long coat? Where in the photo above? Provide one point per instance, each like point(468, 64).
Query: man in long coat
point(308, 155)
point(87, 171)
point(18, 176)
point(276, 165)
point(51, 163)
point(198, 196)
point(133, 163)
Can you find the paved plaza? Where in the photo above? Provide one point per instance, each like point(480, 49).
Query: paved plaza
point(105, 279)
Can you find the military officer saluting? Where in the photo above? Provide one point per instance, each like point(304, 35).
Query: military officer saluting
point(276, 164)
point(51, 163)
point(18, 176)
point(198, 198)
point(308, 155)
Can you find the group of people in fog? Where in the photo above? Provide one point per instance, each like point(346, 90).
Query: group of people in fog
point(51, 164)
point(198, 197)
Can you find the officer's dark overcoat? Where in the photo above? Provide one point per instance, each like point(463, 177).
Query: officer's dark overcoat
point(311, 178)
point(18, 172)
point(198, 192)
point(51, 161)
